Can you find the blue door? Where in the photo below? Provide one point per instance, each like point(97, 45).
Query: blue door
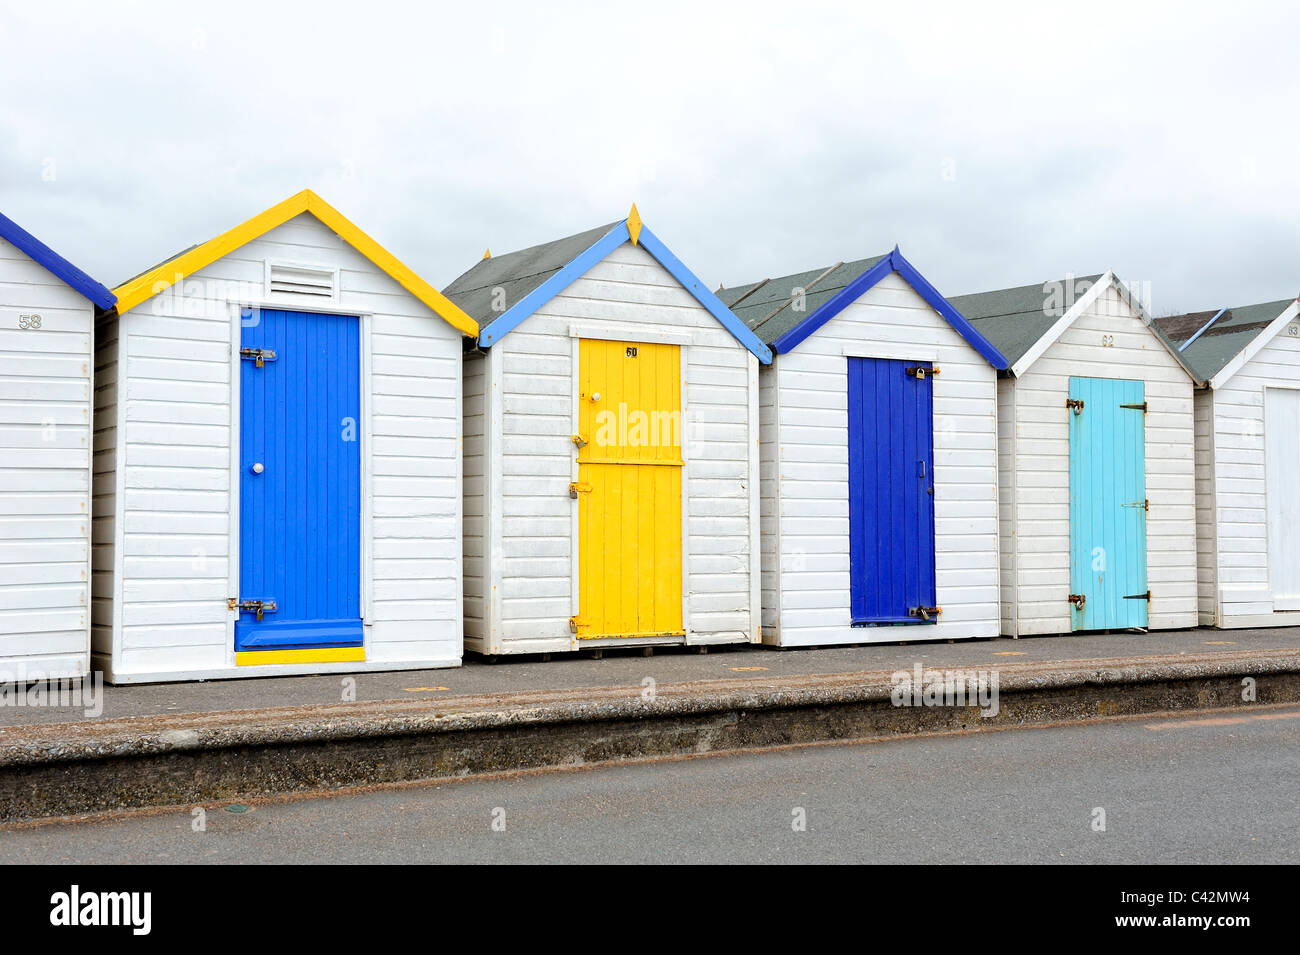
point(891, 491)
point(1108, 504)
point(300, 482)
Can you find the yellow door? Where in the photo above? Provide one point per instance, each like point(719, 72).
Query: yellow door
point(629, 490)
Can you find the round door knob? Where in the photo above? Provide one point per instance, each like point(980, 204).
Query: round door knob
point(257, 468)
point(595, 396)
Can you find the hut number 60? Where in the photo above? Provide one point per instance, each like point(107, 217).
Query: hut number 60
point(29, 321)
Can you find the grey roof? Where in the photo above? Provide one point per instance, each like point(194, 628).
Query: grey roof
point(768, 307)
point(1014, 319)
point(517, 273)
point(1236, 328)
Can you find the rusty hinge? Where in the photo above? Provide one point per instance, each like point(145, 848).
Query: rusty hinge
point(1146, 596)
point(258, 607)
point(259, 355)
point(925, 613)
point(1139, 407)
point(1079, 600)
point(1074, 404)
point(919, 373)
point(1145, 504)
point(577, 488)
point(573, 624)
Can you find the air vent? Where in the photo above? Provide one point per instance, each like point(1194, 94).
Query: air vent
point(301, 280)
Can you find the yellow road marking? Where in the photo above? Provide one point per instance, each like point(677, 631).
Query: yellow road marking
point(1223, 720)
point(747, 669)
point(1220, 643)
point(423, 689)
point(1009, 653)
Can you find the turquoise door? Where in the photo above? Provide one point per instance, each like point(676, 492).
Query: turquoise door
point(1108, 504)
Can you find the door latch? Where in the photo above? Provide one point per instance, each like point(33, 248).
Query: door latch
point(1145, 504)
point(1075, 405)
point(1138, 407)
point(258, 607)
point(259, 355)
point(1146, 596)
point(1079, 600)
point(573, 624)
point(919, 373)
point(577, 488)
point(925, 613)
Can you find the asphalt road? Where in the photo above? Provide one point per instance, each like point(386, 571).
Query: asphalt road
point(1214, 787)
point(629, 668)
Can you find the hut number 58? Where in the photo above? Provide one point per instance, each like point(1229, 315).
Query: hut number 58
point(29, 321)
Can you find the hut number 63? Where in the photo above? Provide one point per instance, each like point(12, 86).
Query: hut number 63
point(29, 321)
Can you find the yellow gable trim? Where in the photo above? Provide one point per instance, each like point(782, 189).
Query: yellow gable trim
point(169, 273)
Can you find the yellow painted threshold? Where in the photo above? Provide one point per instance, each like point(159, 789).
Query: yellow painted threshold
point(245, 658)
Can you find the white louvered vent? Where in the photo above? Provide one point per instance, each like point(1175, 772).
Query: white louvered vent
point(301, 280)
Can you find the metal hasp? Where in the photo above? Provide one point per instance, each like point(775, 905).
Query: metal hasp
point(259, 355)
point(925, 613)
point(573, 624)
point(1079, 600)
point(1146, 596)
point(1145, 504)
point(919, 373)
point(258, 607)
point(579, 487)
point(1074, 404)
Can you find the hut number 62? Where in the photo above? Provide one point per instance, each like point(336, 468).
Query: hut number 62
point(29, 321)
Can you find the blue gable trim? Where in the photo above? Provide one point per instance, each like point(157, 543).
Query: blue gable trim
point(54, 263)
point(894, 262)
point(576, 268)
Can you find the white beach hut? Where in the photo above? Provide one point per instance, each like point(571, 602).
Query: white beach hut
point(47, 315)
point(278, 459)
point(1247, 460)
point(1095, 435)
point(611, 450)
point(879, 458)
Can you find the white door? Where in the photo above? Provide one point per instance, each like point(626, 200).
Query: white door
point(1282, 464)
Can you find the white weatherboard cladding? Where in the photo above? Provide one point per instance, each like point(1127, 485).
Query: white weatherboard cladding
point(45, 420)
point(806, 492)
point(168, 478)
point(1109, 340)
point(1233, 463)
point(524, 591)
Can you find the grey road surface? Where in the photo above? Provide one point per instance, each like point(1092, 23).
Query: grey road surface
point(1216, 787)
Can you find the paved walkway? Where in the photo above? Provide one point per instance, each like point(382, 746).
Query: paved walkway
point(630, 668)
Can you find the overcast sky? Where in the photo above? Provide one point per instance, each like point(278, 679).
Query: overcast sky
point(997, 145)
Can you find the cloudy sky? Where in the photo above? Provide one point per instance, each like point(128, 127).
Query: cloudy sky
point(996, 144)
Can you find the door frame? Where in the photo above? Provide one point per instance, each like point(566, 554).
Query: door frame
point(1268, 497)
point(650, 336)
point(364, 436)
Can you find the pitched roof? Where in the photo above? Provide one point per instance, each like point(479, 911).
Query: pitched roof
point(1232, 329)
point(518, 273)
point(503, 291)
point(54, 263)
point(1014, 319)
point(769, 307)
point(148, 284)
point(777, 313)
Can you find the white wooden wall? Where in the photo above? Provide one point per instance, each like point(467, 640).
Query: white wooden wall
point(174, 530)
point(1244, 597)
point(809, 420)
point(1207, 543)
point(530, 591)
point(476, 493)
point(1040, 527)
point(45, 385)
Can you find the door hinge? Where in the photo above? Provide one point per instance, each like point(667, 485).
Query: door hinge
point(573, 624)
point(258, 607)
point(259, 355)
point(919, 373)
point(577, 488)
point(1139, 407)
point(1146, 596)
point(925, 613)
point(1145, 504)
point(1079, 600)
point(1074, 404)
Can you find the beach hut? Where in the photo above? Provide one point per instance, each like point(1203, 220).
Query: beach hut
point(1095, 446)
point(47, 314)
point(278, 458)
point(879, 458)
point(611, 450)
point(1247, 460)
